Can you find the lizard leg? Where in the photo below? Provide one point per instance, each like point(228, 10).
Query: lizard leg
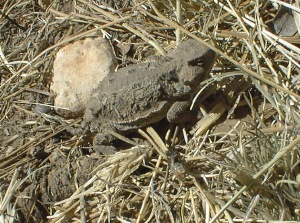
point(102, 143)
point(179, 112)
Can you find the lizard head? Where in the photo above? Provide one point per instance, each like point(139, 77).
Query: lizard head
point(195, 61)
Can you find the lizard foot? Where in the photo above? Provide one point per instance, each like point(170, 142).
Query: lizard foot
point(102, 144)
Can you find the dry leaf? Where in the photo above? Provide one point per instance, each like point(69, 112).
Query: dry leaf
point(283, 23)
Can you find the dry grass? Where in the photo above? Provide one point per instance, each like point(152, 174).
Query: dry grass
point(232, 166)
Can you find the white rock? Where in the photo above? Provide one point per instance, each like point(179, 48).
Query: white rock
point(78, 68)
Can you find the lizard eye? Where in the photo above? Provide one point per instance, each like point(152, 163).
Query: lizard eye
point(196, 62)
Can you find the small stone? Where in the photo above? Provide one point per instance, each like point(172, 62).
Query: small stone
point(78, 69)
point(41, 109)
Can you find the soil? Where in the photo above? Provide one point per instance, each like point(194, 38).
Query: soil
point(55, 182)
point(24, 133)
